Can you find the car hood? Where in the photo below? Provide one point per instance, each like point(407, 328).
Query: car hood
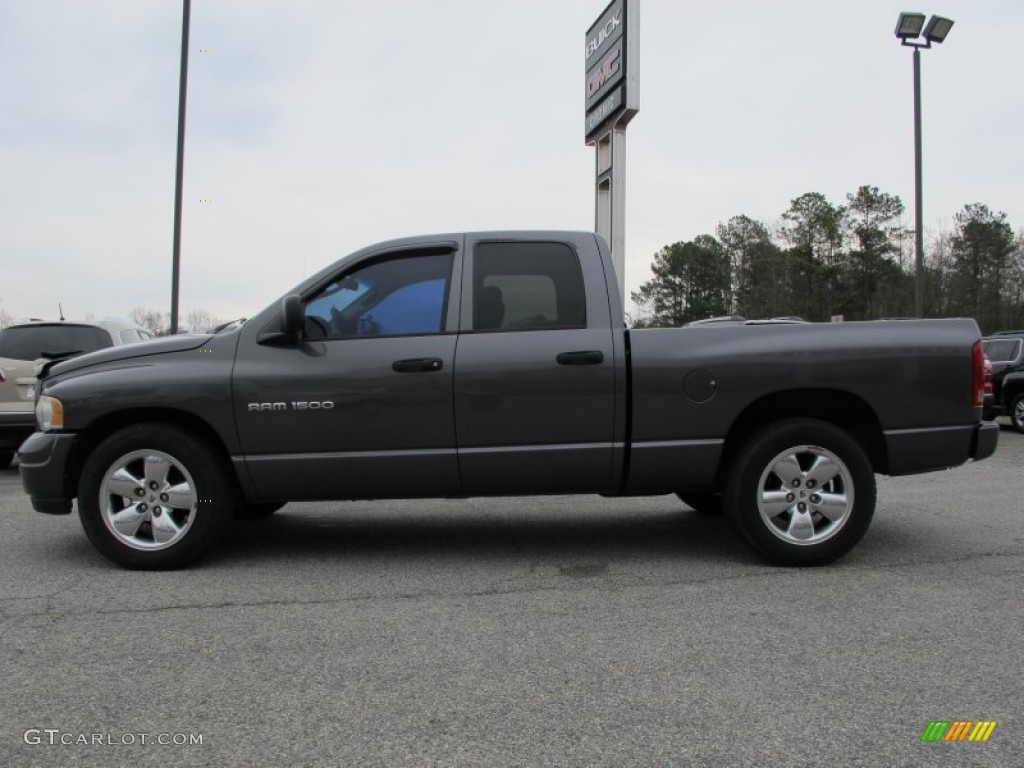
point(161, 346)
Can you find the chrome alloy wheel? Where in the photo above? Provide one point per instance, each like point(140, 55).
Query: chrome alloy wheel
point(148, 500)
point(805, 495)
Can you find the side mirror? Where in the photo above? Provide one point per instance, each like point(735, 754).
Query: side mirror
point(291, 315)
point(291, 324)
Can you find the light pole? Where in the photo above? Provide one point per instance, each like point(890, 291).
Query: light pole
point(180, 169)
point(908, 29)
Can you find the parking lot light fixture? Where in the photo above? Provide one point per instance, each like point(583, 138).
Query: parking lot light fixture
point(909, 25)
point(937, 29)
point(908, 29)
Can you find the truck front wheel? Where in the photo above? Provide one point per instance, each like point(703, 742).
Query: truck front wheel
point(153, 496)
point(800, 492)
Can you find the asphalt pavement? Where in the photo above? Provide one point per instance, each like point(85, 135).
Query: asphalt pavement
point(562, 631)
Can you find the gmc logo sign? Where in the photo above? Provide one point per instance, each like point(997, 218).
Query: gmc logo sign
point(604, 72)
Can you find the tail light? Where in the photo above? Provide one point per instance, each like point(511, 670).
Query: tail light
point(988, 376)
point(978, 375)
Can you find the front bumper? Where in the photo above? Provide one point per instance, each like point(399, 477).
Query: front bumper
point(44, 458)
point(986, 438)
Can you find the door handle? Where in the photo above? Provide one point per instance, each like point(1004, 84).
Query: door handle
point(417, 365)
point(592, 357)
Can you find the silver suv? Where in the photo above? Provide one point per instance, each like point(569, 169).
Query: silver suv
point(22, 344)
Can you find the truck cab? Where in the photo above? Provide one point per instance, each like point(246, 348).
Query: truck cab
point(387, 383)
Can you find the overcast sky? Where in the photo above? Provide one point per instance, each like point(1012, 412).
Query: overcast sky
point(315, 127)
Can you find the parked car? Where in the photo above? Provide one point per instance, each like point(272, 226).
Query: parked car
point(1006, 351)
point(21, 345)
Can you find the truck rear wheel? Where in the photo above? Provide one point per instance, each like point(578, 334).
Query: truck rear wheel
point(153, 496)
point(801, 492)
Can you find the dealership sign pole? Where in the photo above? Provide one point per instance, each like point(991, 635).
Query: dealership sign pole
point(612, 98)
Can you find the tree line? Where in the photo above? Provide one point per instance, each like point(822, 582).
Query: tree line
point(855, 260)
point(153, 320)
point(158, 323)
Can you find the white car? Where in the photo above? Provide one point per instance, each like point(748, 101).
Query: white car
point(21, 345)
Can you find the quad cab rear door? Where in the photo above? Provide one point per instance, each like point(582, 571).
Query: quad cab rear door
point(536, 367)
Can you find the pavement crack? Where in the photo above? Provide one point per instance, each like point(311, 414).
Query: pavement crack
point(610, 582)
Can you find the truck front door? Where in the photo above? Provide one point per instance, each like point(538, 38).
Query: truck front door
point(361, 406)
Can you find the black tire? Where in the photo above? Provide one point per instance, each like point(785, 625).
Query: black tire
point(793, 530)
point(1017, 412)
point(257, 511)
point(6, 457)
point(703, 503)
point(155, 464)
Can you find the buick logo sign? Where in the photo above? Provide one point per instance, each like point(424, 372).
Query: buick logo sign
point(604, 34)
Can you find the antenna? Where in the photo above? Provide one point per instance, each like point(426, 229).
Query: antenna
point(61, 311)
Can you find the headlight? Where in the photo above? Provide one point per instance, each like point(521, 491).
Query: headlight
point(49, 413)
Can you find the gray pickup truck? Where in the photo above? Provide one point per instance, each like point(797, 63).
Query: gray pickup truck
point(498, 364)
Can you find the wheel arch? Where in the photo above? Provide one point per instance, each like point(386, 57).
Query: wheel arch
point(1013, 385)
point(835, 406)
point(102, 428)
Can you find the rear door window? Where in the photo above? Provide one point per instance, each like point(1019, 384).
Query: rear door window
point(527, 286)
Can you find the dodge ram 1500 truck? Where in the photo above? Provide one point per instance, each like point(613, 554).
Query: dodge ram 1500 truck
point(499, 364)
